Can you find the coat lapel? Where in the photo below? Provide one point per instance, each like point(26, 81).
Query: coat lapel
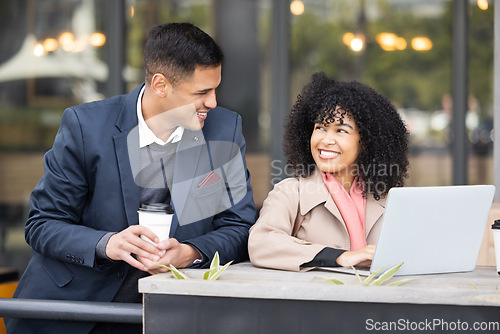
point(314, 192)
point(374, 210)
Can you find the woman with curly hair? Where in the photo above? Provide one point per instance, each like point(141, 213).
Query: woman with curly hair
point(347, 146)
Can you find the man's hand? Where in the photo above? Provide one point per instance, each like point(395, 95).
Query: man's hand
point(177, 254)
point(121, 245)
point(362, 257)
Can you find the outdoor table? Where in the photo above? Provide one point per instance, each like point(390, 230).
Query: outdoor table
point(246, 299)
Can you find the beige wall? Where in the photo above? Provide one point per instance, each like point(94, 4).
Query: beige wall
point(19, 173)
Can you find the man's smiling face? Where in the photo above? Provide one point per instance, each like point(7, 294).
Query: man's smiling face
point(190, 100)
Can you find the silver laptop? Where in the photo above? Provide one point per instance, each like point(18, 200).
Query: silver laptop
point(432, 229)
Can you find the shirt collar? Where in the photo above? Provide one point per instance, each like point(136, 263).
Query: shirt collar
point(146, 136)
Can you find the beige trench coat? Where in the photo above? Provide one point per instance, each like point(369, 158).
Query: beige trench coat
point(271, 244)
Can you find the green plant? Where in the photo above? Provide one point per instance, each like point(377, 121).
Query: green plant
point(215, 269)
point(210, 275)
point(177, 274)
point(333, 281)
point(369, 281)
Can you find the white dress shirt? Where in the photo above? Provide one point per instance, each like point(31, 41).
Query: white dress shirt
point(146, 136)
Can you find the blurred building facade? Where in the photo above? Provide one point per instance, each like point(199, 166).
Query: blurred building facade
point(58, 53)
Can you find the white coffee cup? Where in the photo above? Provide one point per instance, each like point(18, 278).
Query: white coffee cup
point(158, 218)
point(496, 239)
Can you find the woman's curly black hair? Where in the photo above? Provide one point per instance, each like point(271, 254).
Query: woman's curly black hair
point(383, 160)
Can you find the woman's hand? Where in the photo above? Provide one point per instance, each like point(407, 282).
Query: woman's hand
point(362, 257)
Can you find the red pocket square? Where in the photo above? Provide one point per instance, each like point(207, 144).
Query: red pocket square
point(211, 178)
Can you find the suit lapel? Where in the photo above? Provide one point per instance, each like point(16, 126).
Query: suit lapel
point(130, 190)
point(186, 162)
point(127, 151)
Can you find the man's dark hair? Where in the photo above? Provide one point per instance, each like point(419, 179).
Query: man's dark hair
point(175, 49)
point(383, 160)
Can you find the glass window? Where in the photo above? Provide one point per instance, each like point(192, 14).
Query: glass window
point(54, 53)
point(51, 58)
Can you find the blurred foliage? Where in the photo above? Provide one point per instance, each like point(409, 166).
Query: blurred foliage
point(481, 46)
point(150, 13)
point(409, 78)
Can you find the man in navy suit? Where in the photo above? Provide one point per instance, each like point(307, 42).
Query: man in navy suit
point(83, 223)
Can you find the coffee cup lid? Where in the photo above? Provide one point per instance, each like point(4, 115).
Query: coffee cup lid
point(496, 224)
point(157, 207)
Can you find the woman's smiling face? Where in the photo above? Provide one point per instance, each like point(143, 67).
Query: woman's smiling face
point(335, 147)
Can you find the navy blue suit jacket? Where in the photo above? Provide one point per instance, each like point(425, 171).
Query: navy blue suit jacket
point(88, 189)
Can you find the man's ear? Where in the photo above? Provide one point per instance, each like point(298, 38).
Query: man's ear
point(160, 85)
